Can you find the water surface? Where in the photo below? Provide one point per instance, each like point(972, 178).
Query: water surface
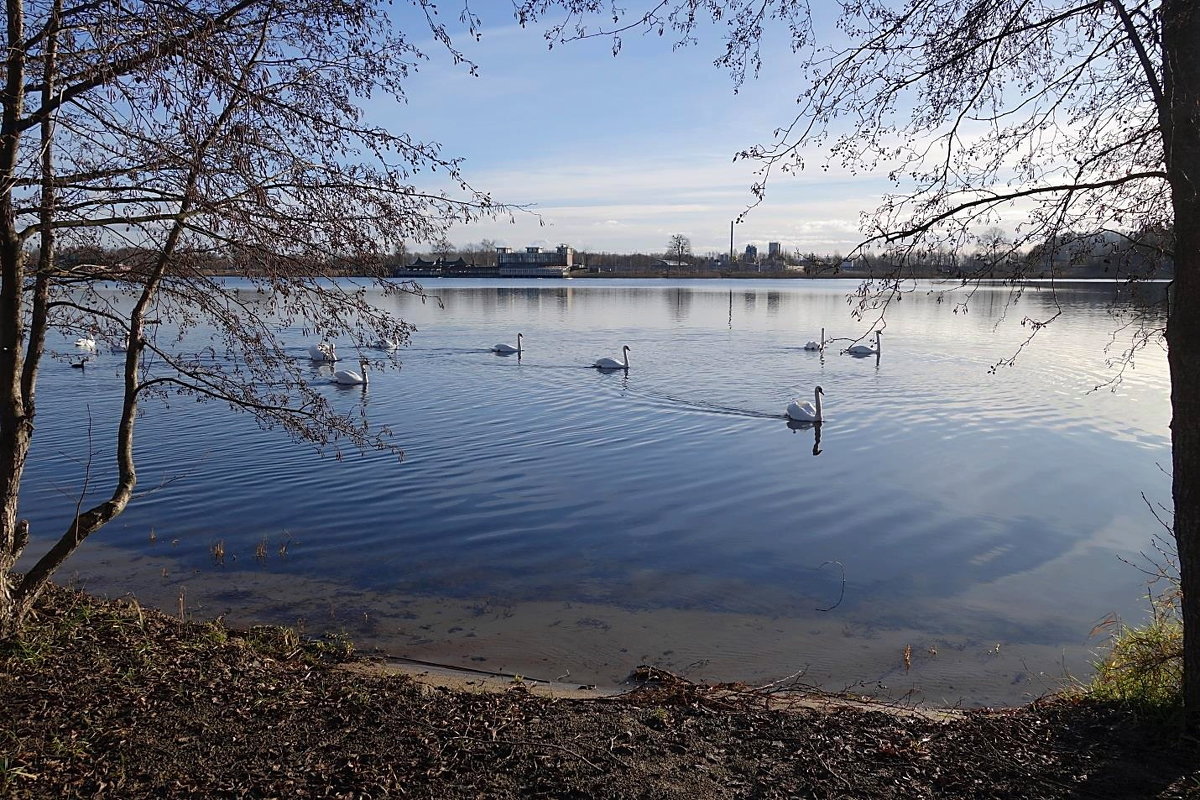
point(550, 519)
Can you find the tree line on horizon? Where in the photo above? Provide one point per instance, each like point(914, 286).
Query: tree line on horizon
point(1142, 255)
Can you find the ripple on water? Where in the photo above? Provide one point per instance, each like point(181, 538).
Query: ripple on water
point(678, 487)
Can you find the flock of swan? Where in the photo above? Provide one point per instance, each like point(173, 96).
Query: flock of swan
point(802, 410)
point(326, 353)
point(798, 410)
point(605, 363)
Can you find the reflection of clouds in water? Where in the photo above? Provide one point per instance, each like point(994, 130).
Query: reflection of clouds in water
point(949, 562)
point(982, 558)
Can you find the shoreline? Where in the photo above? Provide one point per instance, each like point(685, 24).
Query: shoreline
point(577, 643)
point(107, 698)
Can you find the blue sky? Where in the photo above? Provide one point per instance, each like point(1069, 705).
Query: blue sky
point(619, 153)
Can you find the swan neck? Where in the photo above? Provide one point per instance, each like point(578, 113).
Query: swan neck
point(818, 398)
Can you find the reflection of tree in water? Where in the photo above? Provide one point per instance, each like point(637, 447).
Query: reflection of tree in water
point(679, 302)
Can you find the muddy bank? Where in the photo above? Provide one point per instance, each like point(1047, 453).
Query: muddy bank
point(110, 699)
point(591, 643)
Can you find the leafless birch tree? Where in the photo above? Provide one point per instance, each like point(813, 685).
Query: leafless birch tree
point(197, 133)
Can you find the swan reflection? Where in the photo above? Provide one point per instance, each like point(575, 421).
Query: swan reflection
point(798, 425)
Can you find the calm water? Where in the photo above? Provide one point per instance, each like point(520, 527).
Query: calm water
point(549, 519)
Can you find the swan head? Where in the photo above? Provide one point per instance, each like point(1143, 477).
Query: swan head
point(820, 390)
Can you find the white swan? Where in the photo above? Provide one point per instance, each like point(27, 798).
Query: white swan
point(86, 342)
point(865, 350)
point(322, 352)
point(612, 363)
point(385, 344)
point(816, 345)
point(347, 377)
point(806, 411)
point(507, 349)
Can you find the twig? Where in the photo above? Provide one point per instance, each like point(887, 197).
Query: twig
point(842, 595)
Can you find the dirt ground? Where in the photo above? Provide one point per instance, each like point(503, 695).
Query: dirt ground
point(106, 699)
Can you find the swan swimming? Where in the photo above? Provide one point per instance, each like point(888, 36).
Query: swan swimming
point(322, 352)
point(507, 349)
point(612, 363)
point(86, 342)
point(864, 350)
point(806, 411)
point(385, 344)
point(345, 377)
point(816, 345)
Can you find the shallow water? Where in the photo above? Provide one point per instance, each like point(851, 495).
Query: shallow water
point(547, 517)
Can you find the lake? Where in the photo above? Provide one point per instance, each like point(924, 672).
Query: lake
point(554, 521)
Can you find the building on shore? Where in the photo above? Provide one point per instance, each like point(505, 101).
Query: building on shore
point(535, 262)
point(461, 269)
point(445, 269)
point(418, 269)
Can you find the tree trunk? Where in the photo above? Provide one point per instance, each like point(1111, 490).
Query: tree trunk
point(15, 425)
point(1181, 135)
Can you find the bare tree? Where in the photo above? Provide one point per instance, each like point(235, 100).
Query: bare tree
point(482, 252)
point(679, 248)
point(442, 248)
point(1081, 115)
point(993, 252)
point(196, 134)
